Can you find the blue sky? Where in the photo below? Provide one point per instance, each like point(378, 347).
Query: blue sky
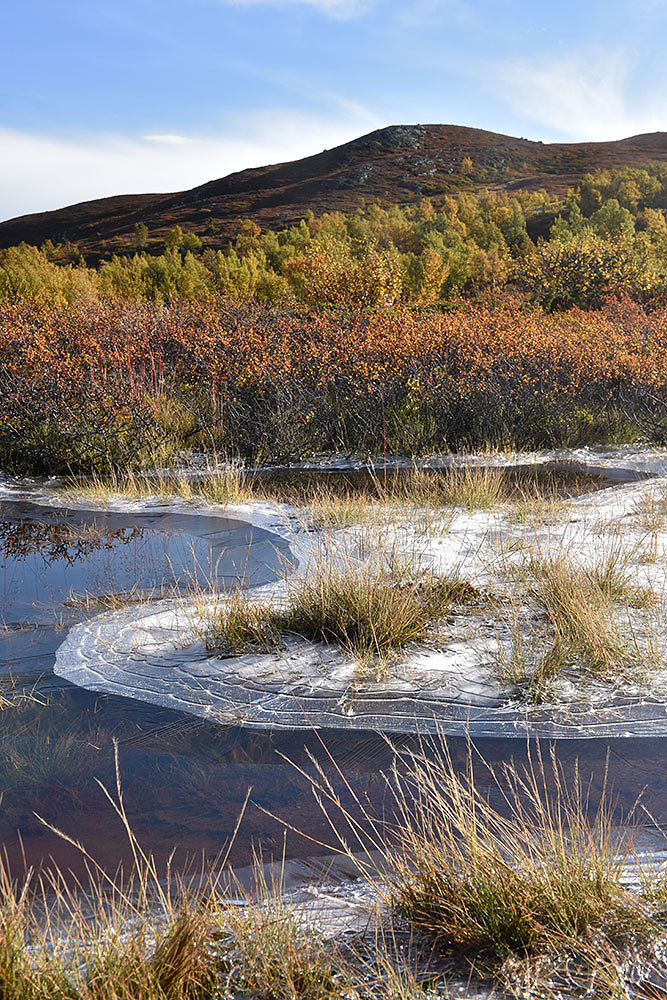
point(100, 97)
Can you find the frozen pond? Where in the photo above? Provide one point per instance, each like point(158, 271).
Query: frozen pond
point(185, 777)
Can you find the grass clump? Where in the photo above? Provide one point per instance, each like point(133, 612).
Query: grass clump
point(341, 508)
point(584, 619)
point(217, 484)
point(582, 605)
point(526, 661)
point(537, 878)
point(537, 510)
point(423, 490)
point(651, 510)
point(520, 878)
point(269, 951)
point(367, 610)
point(371, 611)
point(578, 611)
point(240, 625)
point(473, 488)
point(612, 573)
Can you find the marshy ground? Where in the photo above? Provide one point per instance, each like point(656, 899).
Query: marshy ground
point(464, 872)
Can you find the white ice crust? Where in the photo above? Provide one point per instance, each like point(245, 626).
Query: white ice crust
point(155, 653)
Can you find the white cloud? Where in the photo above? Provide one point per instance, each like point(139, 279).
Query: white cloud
point(343, 10)
point(168, 140)
point(419, 13)
point(39, 172)
point(585, 96)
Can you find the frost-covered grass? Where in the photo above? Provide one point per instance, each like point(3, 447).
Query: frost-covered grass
point(535, 877)
point(338, 501)
point(218, 483)
point(582, 610)
point(578, 589)
point(520, 880)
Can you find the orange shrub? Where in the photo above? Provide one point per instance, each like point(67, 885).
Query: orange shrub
point(109, 384)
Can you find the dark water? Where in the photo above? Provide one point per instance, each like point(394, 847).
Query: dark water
point(51, 555)
point(560, 479)
point(184, 781)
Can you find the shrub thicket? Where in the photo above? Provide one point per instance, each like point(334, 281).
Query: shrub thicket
point(117, 385)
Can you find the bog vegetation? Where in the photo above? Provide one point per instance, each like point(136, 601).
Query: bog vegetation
point(401, 329)
point(528, 895)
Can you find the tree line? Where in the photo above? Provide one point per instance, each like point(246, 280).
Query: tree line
point(607, 237)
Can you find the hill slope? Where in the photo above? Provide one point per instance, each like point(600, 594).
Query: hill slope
point(399, 163)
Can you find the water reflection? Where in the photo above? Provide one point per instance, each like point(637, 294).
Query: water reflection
point(184, 779)
point(48, 555)
point(55, 541)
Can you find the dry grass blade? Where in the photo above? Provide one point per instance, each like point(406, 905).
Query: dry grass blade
point(579, 604)
point(269, 950)
point(372, 610)
point(514, 881)
point(473, 488)
point(218, 483)
point(526, 879)
point(368, 611)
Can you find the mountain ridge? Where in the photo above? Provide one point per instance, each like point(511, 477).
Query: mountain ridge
point(398, 163)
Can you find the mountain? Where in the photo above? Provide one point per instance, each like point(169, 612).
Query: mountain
point(400, 163)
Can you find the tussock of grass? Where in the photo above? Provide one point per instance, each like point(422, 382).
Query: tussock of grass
point(522, 879)
point(468, 487)
point(367, 611)
point(267, 950)
point(537, 510)
point(473, 488)
point(443, 592)
point(545, 876)
point(331, 509)
point(370, 611)
point(613, 574)
point(584, 619)
point(241, 625)
point(218, 484)
point(582, 605)
point(651, 510)
point(421, 490)
point(526, 661)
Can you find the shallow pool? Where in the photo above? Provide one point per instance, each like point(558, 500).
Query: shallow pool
point(185, 780)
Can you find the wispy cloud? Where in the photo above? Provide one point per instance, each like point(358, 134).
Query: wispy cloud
point(343, 10)
point(40, 172)
point(590, 95)
point(420, 13)
point(167, 140)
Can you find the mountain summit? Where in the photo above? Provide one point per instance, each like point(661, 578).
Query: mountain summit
point(400, 163)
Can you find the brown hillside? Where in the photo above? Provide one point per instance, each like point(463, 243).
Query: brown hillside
point(396, 164)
